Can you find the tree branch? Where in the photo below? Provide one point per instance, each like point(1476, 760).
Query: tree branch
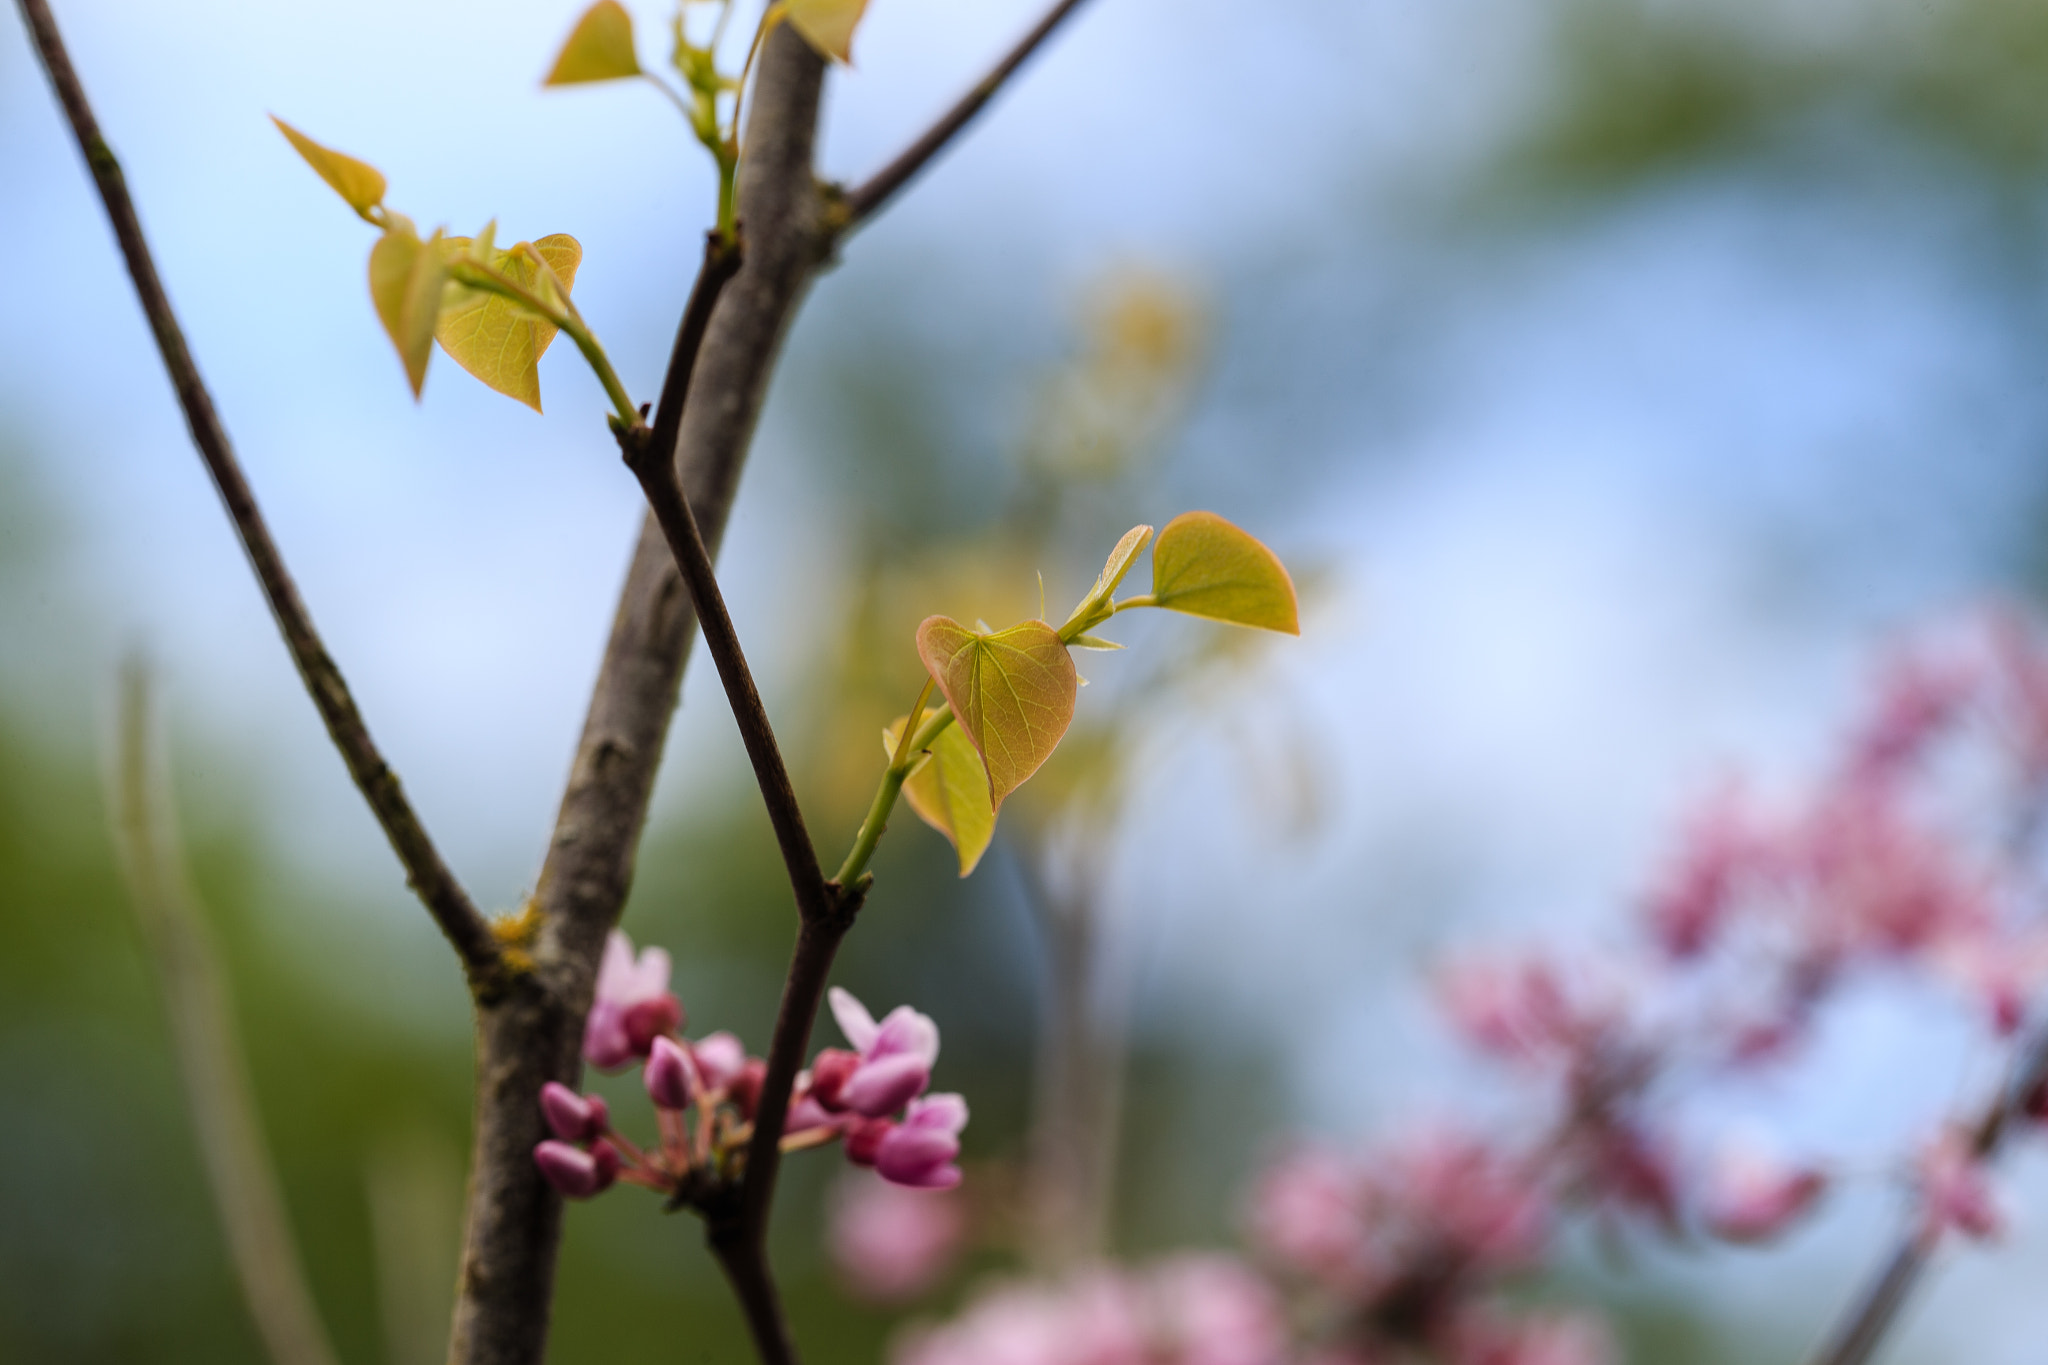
point(864, 201)
point(514, 1222)
point(429, 877)
point(1872, 1314)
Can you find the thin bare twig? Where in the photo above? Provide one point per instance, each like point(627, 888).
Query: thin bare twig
point(211, 1065)
point(429, 877)
point(865, 200)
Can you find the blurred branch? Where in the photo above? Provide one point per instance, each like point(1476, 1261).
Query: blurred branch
point(210, 1060)
point(864, 201)
point(429, 877)
point(1875, 1311)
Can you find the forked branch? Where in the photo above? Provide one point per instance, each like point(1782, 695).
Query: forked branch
point(865, 200)
point(428, 875)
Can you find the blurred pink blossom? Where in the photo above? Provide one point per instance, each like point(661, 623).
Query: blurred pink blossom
point(889, 1243)
point(1752, 1197)
point(1955, 1193)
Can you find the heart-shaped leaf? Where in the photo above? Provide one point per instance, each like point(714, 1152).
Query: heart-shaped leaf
point(827, 25)
point(406, 279)
point(360, 183)
point(1012, 691)
point(1204, 566)
point(600, 47)
point(497, 339)
point(949, 790)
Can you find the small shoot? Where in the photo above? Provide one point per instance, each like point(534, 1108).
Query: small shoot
point(495, 312)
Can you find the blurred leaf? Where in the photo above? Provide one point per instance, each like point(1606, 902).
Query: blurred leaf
point(360, 183)
point(495, 338)
point(1012, 691)
point(1204, 566)
point(406, 281)
point(827, 25)
point(599, 48)
point(949, 790)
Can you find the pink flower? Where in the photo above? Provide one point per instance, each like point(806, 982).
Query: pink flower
point(1722, 851)
point(576, 1173)
point(920, 1151)
point(669, 1076)
point(720, 1058)
point(890, 1243)
point(1549, 1340)
point(1306, 1211)
point(896, 1055)
point(1754, 1198)
point(1212, 1310)
point(1954, 1193)
point(573, 1117)
point(632, 1007)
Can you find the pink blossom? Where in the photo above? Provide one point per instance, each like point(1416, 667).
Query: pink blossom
point(831, 1069)
point(1755, 1198)
point(1306, 1212)
point(1193, 1310)
point(576, 1173)
point(1879, 885)
point(896, 1055)
point(1722, 850)
point(573, 1117)
point(669, 1075)
point(632, 1007)
point(1955, 1193)
point(720, 1058)
point(1918, 698)
point(920, 1151)
point(1545, 1340)
point(890, 1243)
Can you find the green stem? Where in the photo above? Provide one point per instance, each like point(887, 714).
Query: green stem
point(877, 821)
point(568, 320)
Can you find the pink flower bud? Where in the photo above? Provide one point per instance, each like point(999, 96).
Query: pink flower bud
point(885, 1085)
point(745, 1090)
point(1954, 1194)
point(720, 1058)
point(573, 1117)
point(864, 1137)
point(829, 1074)
point(668, 1075)
point(652, 1019)
point(576, 1173)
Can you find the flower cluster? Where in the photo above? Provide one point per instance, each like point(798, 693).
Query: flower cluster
point(705, 1092)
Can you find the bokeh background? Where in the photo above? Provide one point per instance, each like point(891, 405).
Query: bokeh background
point(1620, 376)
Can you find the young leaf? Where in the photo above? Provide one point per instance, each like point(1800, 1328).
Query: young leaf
point(360, 183)
point(1012, 691)
point(949, 791)
point(406, 279)
point(600, 47)
point(1120, 560)
point(495, 338)
point(1204, 566)
point(827, 25)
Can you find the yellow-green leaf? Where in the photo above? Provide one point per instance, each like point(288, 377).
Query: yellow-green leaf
point(600, 47)
point(1120, 560)
point(1012, 691)
point(1204, 566)
point(360, 183)
point(406, 278)
point(827, 25)
point(949, 790)
point(496, 339)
